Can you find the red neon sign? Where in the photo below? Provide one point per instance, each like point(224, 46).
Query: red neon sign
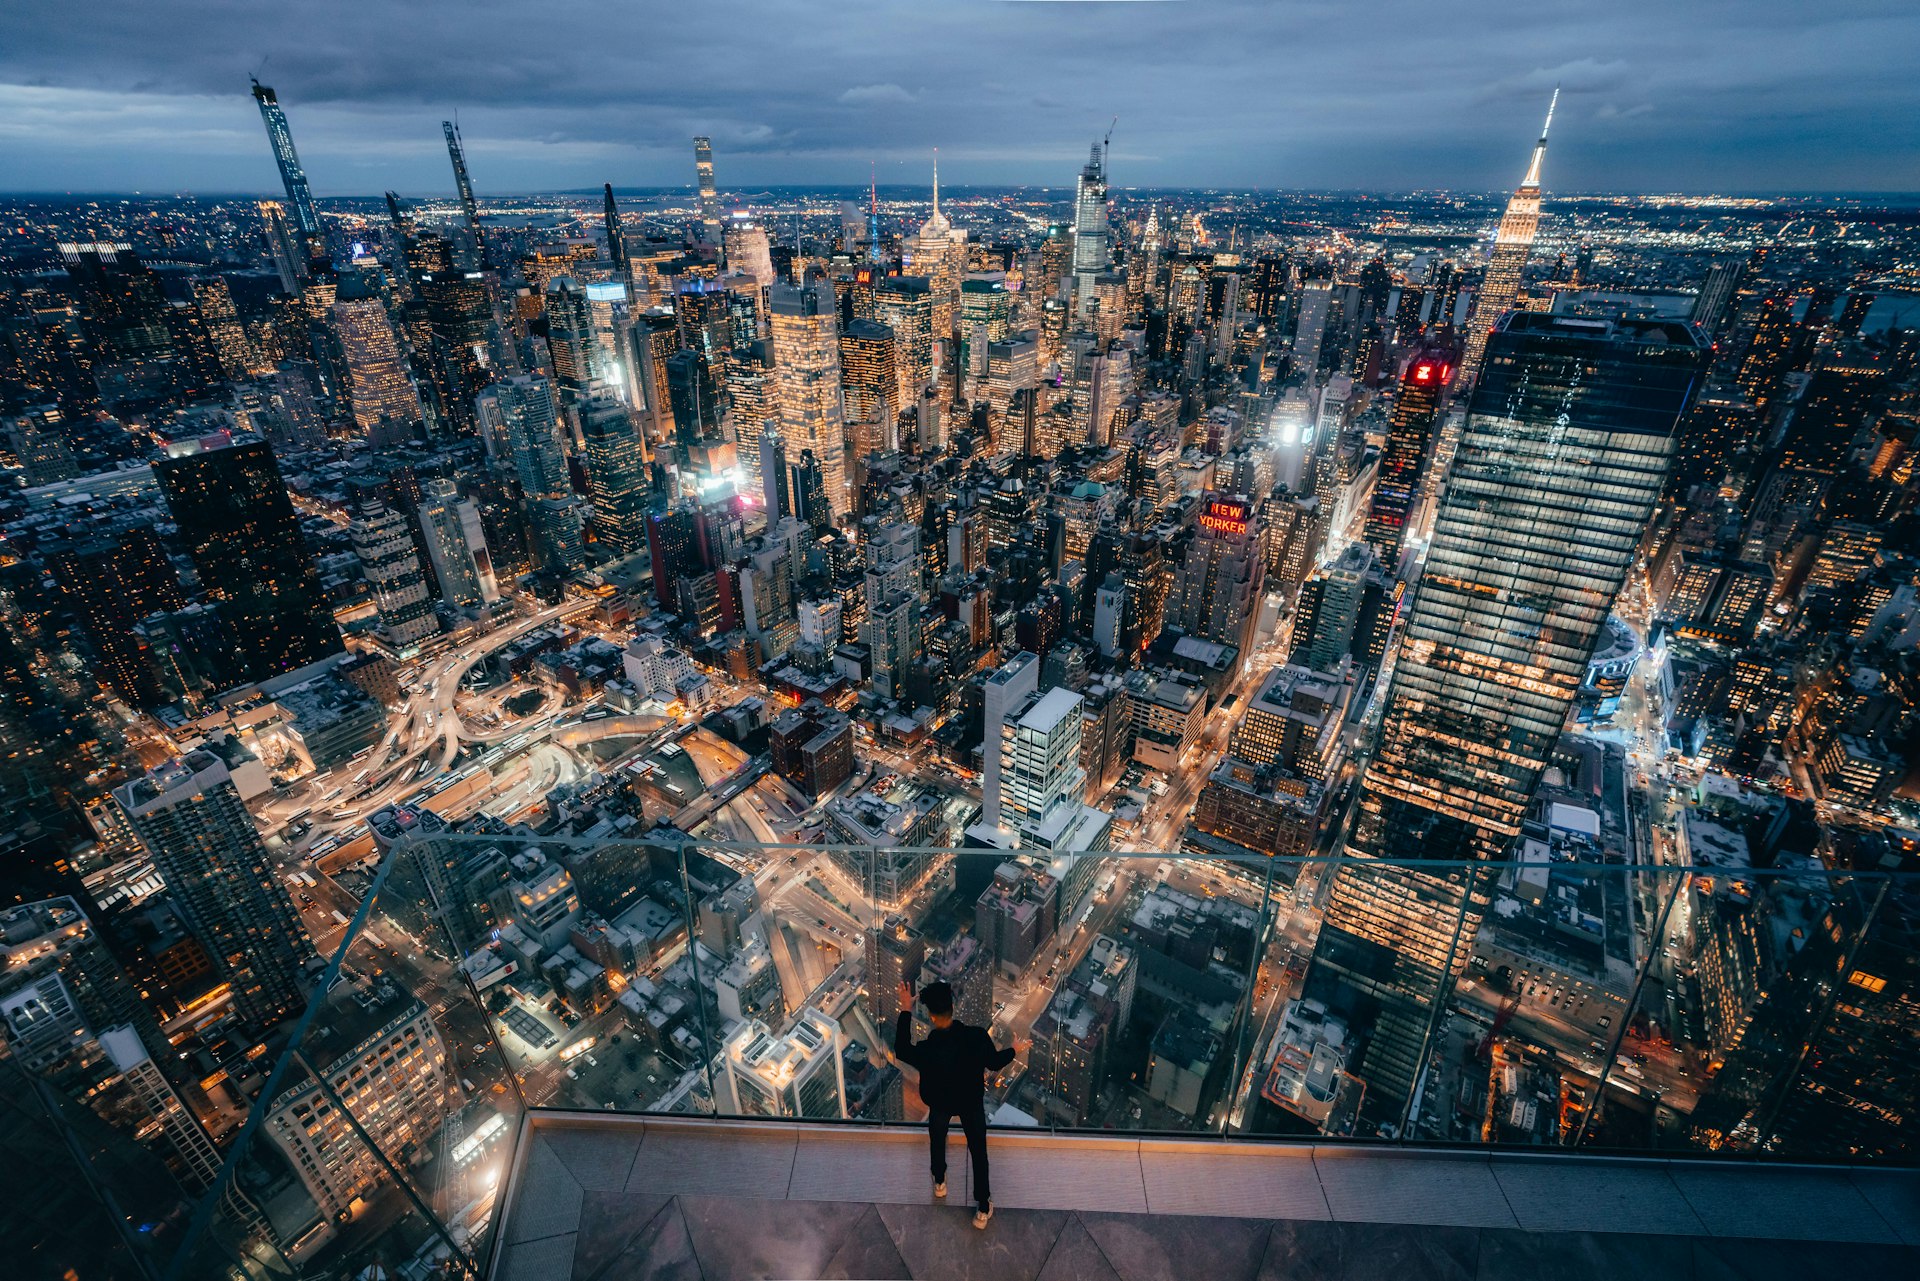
point(1225, 518)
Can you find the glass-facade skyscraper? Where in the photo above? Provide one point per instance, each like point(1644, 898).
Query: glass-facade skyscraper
point(709, 200)
point(292, 176)
point(806, 361)
point(1563, 455)
point(230, 505)
point(1409, 450)
point(457, 153)
point(1092, 251)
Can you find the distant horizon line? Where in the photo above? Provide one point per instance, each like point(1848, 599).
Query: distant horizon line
point(690, 191)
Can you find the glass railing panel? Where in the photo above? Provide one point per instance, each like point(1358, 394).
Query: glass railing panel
point(375, 1127)
point(396, 1115)
point(121, 1104)
point(76, 1192)
point(1632, 1083)
point(1548, 976)
point(1850, 1095)
point(1803, 986)
point(583, 966)
point(803, 993)
point(1520, 1004)
point(1230, 1102)
point(1366, 955)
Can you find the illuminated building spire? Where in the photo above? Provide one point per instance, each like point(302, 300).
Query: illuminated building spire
point(1500, 290)
point(1540, 148)
point(936, 223)
point(875, 251)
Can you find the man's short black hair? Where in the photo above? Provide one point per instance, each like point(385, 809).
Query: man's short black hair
point(938, 998)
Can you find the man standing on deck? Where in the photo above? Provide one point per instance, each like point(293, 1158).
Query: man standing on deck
point(953, 1062)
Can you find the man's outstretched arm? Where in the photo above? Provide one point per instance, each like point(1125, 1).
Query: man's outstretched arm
point(997, 1058)
point(903, 1047)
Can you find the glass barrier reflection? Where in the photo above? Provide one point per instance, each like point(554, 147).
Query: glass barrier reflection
point(1701, 1006)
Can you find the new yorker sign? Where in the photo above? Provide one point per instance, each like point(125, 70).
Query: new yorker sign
point(1225, 517)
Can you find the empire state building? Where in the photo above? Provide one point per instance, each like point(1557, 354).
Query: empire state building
point(1511, 245)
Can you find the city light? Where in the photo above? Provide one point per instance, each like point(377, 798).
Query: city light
point(1424, 662)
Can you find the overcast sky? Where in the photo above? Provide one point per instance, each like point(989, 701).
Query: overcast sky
point(1659, 95)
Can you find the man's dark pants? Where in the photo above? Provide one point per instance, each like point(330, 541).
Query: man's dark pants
point(973, 1122)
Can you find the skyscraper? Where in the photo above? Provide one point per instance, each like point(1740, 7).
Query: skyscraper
point(806, 363)
point(379, 388)
point(1310, 328)
point(292, 176)
point(939, 255)
point(617, 473)
point(1146, 278)
point(289, 262)
point(690, 392)
point(214, 301)
point(450, 526)
point(774, 498)
point(521, 414)
point(383, 542)
point(1002, 692)
point(1563, 455)
point(709, 199)
point(1717, 294)
point(892, 586)
point(1409, 448)
point(1092, 252)
point(876, 243)
point(71, 1017)
point(570, 338)
point(1511, 245)
point(114, 579)
point(870, 379)
point(749, 253)
point(1216, 593)
point(234, 519)
point(616, 241)
point(457, 153)
point(190, 817)
point(909, 305)
point(1040, 757)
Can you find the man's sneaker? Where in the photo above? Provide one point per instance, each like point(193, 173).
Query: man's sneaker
point(940, 1188)
point(982, 1217)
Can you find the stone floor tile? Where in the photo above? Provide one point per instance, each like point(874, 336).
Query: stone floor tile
point(736, 1238)
point(867, 1254)
point(1173, 1247)
point(940, 1243)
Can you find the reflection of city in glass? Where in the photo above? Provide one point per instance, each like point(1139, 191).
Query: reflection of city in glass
point(1404, 666)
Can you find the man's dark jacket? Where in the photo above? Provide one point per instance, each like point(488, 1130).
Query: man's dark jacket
point(953, 1063)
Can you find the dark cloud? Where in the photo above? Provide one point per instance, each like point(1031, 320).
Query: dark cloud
point(1729, 94)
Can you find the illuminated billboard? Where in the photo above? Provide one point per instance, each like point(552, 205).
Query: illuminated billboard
point(1226, 516)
